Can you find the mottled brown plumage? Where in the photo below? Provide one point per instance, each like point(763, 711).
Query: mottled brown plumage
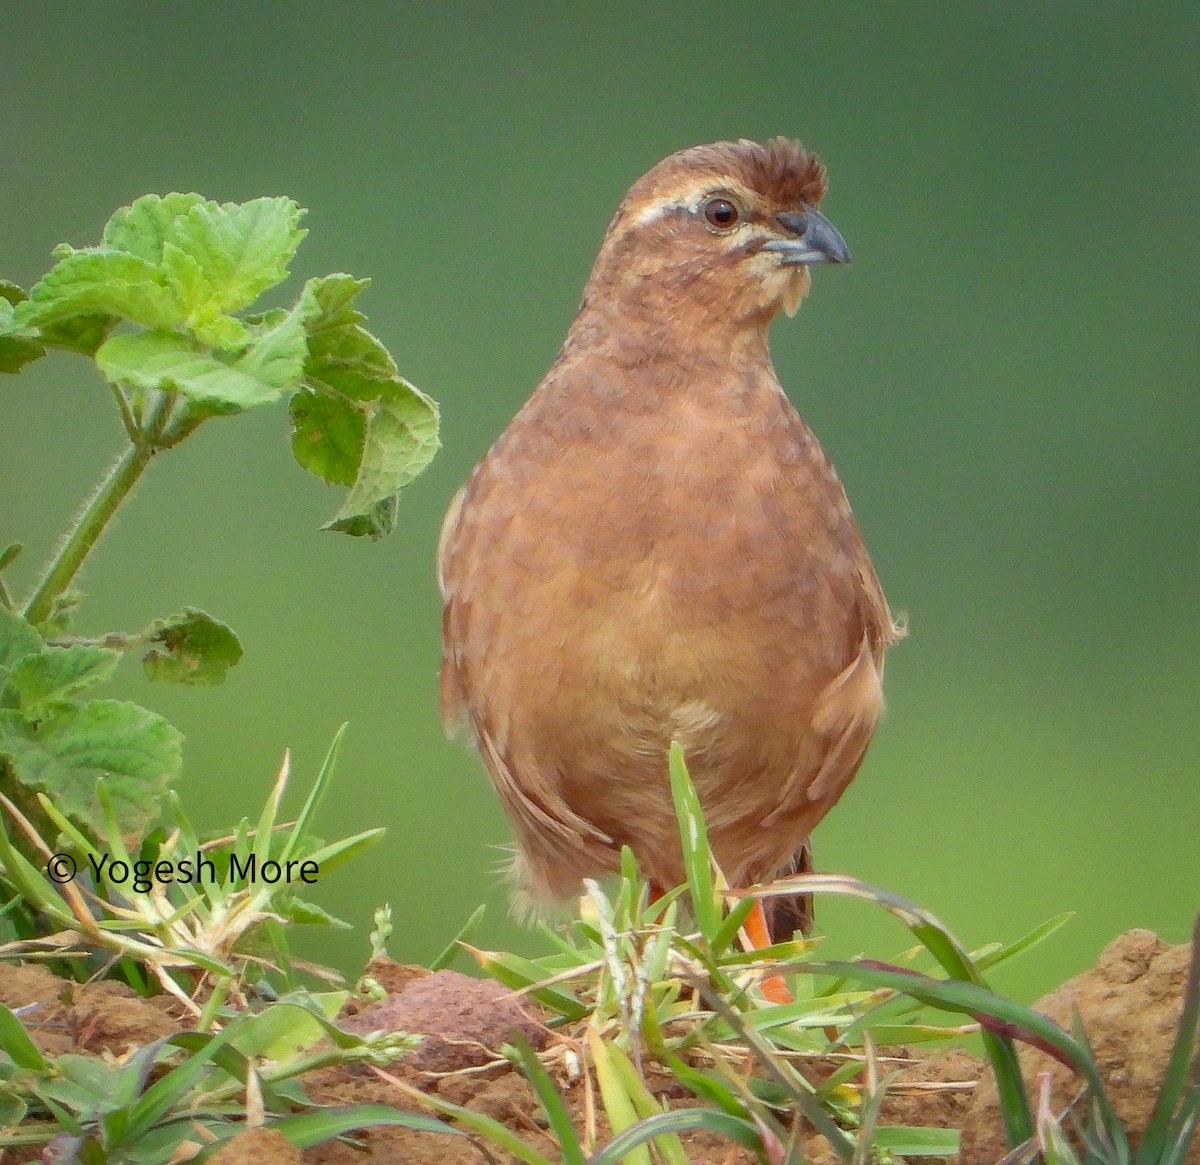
point(657, 548)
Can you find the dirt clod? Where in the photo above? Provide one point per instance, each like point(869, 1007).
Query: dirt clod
point(1129, 1003)
point(95, 1017)
point(257, 1147)
point(465, 1020)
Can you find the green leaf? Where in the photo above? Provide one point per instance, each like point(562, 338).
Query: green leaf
point(681, 1120)
point(18, 345)
point(14, 1039)
point(618, 1104)
point(217, 257)
point(916, 1141)
point(311, 1128)
point(87, 1084)
point(170, 1089)
point(190, 648)
point(465, 935)
point(377, 522)
point(278, 348)
point(136, 751)
point(236, 251)
point(170, 362)
point(401, 440)
point(553, 1105)
point(360, 423)
point(519, 973)
point(697, 859)
point(81, 333)
point(12, 1110)
point(146, 225)
point(327, 435)
point(18, 638)
point(1023, 944)
point(55, 674)
point(298, 837)
point(304, 913)
point(102, 281)
point(342, 355)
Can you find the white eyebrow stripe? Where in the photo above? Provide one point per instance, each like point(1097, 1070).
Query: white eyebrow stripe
point(688, 199)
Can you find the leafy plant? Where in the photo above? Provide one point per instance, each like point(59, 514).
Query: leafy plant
point(157, 1105)
point(183, 910)
point(163, 308)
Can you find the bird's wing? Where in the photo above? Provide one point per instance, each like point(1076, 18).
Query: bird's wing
point(880, 628)
point(843, 719)
point(532, 800)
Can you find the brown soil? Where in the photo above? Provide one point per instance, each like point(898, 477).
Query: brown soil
point(1129, 1003)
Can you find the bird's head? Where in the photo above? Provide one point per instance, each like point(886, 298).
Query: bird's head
point(723, 232)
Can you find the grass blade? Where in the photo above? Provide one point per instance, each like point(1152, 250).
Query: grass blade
point(311, 1128)
point(617, 1103)
point(552, 1103)
point(697, 857)
point(14, 1039)
point(937, 938)
point(683, 1120)
point(299, 832)
point(465, 935)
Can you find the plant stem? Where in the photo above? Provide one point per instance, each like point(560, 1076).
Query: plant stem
point(97, 514)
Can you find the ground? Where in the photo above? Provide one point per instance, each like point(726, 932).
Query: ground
point(1129, 1003)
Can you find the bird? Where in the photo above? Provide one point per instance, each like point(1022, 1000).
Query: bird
point(657, 549)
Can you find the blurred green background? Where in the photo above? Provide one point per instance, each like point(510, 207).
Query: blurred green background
point(1006, 379)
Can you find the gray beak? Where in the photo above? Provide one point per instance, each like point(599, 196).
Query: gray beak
point(817, 239)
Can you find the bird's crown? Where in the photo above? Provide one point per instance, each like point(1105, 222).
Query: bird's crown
point(729, 227)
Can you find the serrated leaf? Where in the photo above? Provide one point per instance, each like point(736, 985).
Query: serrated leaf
point(239, 250)
point(401, 440)
point(277, 351)
point(55, 674)
point(136, 751)
point(342, 355)
point(102, 281)
point(169, 361)
point(327, 435)
point(227, 333)
point(378, 521)
point(18, 638)
point(145, 226)
point(191, 648)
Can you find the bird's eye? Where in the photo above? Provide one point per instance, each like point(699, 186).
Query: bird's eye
point(720, 213)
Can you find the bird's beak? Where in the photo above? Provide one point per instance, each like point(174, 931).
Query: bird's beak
point(817, 239)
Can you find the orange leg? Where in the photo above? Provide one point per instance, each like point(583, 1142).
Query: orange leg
point(759, 936)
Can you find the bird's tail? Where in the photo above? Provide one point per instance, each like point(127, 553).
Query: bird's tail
point(794, 912)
